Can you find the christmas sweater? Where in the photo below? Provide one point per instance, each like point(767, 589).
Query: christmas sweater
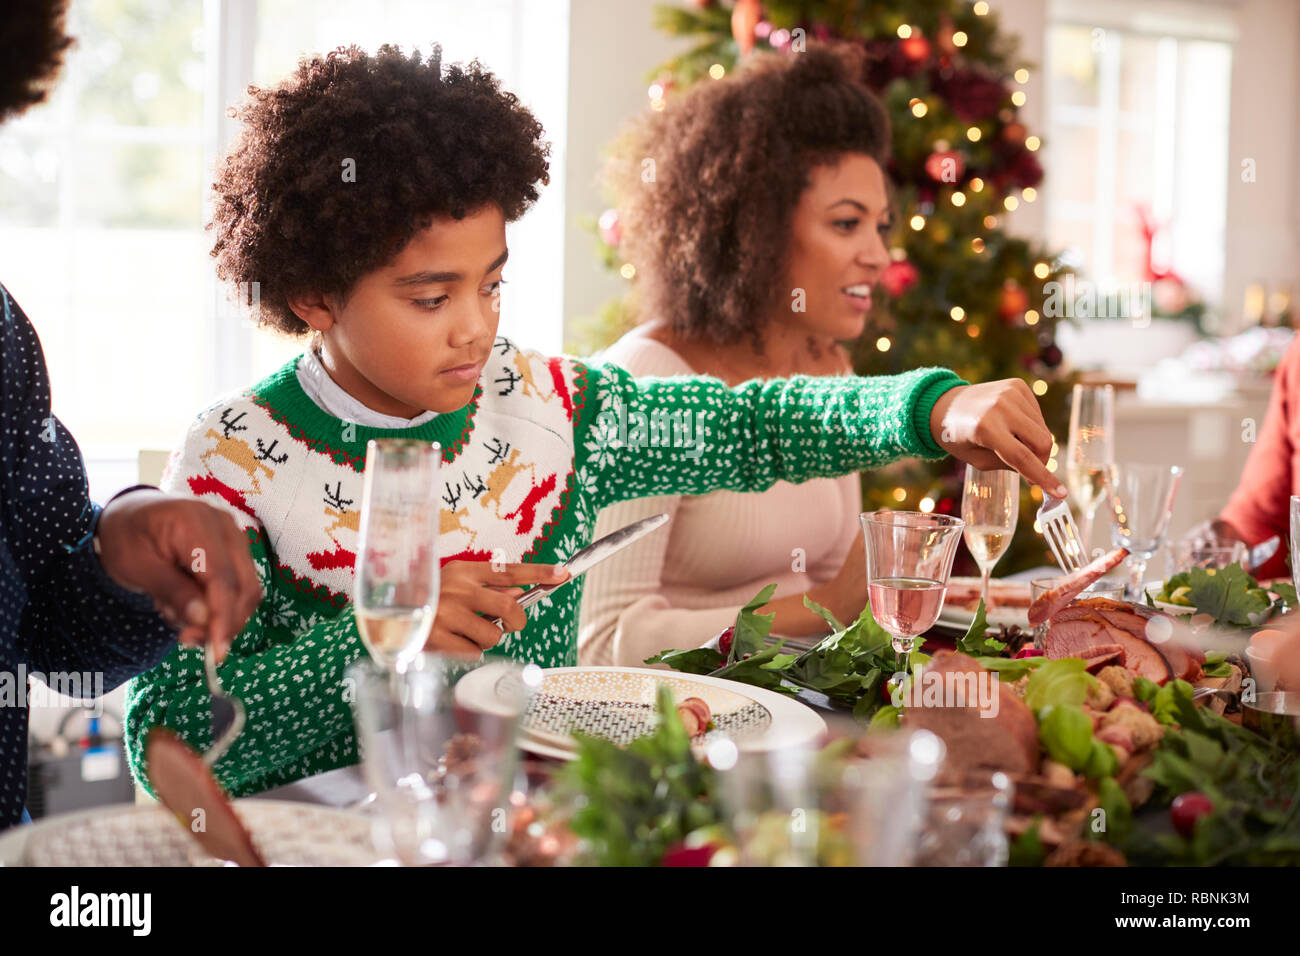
point(544, 444)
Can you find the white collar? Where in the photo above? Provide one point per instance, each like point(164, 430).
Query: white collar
point(331, 398)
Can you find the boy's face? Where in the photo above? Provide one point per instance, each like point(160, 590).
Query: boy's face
point(412, 336)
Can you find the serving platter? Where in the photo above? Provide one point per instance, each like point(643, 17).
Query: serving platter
point(1009, 598)
point(618, 704)
point(286, 833)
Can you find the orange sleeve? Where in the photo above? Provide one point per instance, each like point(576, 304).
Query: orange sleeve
point(1260, 506)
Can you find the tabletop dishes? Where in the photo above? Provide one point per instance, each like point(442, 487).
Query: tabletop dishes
point(618, 704)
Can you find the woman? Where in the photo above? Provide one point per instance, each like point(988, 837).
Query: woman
point(757, 241)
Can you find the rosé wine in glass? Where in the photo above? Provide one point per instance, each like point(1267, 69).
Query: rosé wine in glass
point(909, 558)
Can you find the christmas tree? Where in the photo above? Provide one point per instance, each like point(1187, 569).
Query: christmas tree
point(960, 292)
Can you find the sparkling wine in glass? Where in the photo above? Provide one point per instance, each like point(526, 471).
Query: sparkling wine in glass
point(1090, 452)
point(909, 558)
point(395, 589)
point(990, 506)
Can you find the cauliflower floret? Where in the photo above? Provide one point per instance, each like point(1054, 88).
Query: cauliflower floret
point(1118, 679)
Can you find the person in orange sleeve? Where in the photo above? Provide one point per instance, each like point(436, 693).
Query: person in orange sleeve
point(1260, 506)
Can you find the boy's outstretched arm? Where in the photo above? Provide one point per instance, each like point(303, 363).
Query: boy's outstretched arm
point(651, 436)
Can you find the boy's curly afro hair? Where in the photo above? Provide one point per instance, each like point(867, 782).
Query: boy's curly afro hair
point(32, 44)
point(425, 142)
point(709, 235)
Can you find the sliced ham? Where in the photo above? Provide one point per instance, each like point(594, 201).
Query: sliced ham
point(186, 787)
point(1083, 626)
point(1184, 659)
point(1007, 741)
point(1045, 605)
point(1102, 655)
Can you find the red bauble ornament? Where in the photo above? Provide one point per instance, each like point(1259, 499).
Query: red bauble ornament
point(744, 19)
point(916, 48)
point(945, 167)
point(1014, 301)
point(1014, 132)
point(944, 37)
point(898, 277)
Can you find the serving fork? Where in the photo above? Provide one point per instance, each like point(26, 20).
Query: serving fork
point(1062, 534)
point(227, 711)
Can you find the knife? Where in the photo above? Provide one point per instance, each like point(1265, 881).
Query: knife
point(1262, 552)
point(592, 555)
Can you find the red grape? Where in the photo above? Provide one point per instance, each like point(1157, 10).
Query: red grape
point(1186, 809)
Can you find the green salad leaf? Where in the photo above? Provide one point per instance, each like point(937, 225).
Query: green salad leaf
point(1065, 732)
point(1216, 665)
point(1027, 849)
point(1065, 681)
point(1229, 595)
point(697, 660)
point(632, 803)
point(752, 628)
point(973, 642)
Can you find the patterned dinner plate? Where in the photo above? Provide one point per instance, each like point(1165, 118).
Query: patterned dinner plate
point(618, 704)
point(286, 833)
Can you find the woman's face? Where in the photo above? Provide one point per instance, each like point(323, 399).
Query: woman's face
point(837, 248)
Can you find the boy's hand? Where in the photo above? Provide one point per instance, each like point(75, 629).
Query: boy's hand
point(472, 593)
point(190, 557)
point(996, 425)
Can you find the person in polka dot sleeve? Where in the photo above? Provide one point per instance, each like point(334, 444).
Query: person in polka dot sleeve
point(85, 590)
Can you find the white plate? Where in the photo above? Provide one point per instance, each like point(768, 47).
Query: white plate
point(955, 615)
point(287, 834)
point(761, 719)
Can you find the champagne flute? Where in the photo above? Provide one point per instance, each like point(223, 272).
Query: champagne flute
point(1091, 450)
point(990, 505)
point(909, 558)
point(395, 590)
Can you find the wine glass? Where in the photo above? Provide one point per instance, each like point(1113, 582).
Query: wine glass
point(1091, 448)
point(395, 590)
point(1141, 500)
point(441, 771)
point(909, 558)
point(990, 505)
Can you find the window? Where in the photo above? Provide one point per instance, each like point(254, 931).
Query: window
point(104, 188)
point(1138, 124)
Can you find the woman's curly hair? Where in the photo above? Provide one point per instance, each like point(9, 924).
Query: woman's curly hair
point(32, 44)
point(709, 236)
point(423, 141)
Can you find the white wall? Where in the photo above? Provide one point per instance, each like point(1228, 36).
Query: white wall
point(612, 45)
point(1263, 234)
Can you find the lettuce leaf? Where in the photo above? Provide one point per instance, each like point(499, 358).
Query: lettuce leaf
point(1226, 594)
point(1065, 732)
point(1065, 682)
point(973, 642)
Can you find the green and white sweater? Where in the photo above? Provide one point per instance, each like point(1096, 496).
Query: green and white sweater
point(528, 464)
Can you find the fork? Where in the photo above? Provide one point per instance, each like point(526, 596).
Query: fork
point(1061, 532)
point(227, 711)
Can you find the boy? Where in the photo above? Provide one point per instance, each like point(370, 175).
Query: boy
point(368, 196)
